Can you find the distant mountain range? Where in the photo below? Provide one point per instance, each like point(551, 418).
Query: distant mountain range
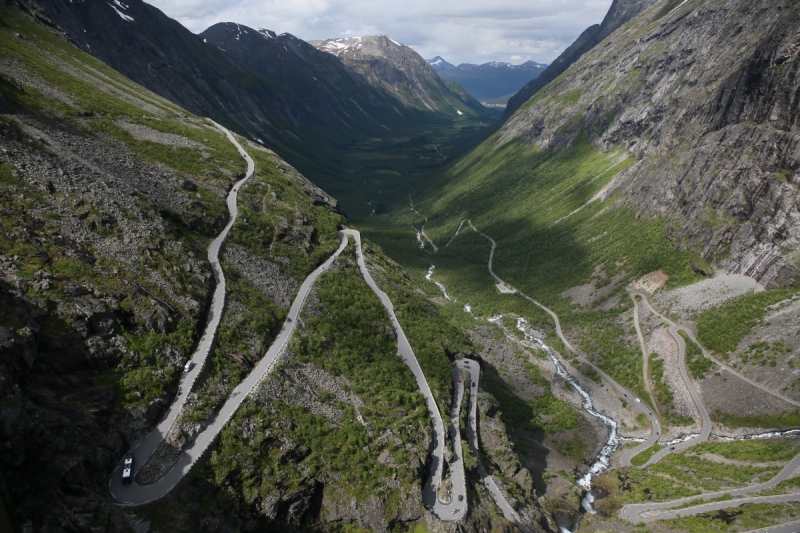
point(489, 81)
point(401, 72)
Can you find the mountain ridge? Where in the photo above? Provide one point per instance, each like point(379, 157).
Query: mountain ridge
point(620, 12)
point(403, 72)
point(263, 91)
point(721, 124)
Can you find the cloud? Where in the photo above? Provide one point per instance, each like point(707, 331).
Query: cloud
point(473, 31)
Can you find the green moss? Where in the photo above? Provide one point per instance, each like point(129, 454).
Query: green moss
point(691, 470)
point(745, 517)
point(751, 450)
point(151, 375)
point(574, 447)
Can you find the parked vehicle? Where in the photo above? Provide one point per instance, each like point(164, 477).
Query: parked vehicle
point(189, 365)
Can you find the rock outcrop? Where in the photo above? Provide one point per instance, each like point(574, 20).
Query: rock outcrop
point(620, 12)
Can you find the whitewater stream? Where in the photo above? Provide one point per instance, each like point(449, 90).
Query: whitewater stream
point(612, 443)
point(438, 284)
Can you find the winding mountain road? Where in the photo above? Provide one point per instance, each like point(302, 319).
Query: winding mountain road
point(136, 494)
point(145, 449)
point(474, 371)
point(691, 336)
point(454, 509)
point(443, 511)
point(648, 512)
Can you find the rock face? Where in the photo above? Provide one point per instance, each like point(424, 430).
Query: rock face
point(704, 96)
point(402, 72)
point(621, 11)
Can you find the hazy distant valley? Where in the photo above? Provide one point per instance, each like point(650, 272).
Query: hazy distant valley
point(319, 286)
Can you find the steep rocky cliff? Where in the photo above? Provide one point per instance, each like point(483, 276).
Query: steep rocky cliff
point(620, 12)
point(704, 95)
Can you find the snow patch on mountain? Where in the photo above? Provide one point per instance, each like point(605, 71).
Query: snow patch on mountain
point(123, 16)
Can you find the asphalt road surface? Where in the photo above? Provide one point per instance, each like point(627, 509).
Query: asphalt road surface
point(429, 490)
point(137, 494)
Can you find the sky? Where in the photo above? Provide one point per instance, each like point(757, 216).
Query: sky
point(461, 31)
